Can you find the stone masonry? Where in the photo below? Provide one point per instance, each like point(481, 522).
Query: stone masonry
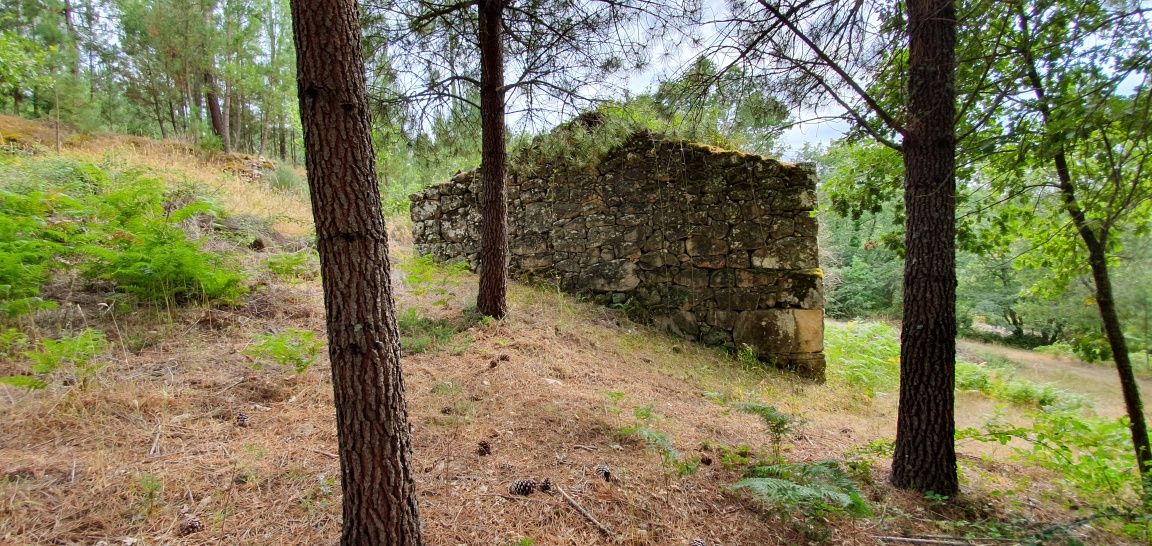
point(713, 245)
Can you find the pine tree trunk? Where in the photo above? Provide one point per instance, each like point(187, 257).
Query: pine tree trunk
point(925, 457)
point(491, 299)
point(379, 501)
point(219, 127)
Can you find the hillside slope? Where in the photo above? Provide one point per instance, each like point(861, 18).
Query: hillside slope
point(561, 386)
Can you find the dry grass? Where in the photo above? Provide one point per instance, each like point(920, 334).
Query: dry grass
point(154, 440)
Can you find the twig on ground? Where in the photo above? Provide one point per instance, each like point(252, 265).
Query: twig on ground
point(924, 541)
point(325, 453)
point(155, 449)
point(572, 502)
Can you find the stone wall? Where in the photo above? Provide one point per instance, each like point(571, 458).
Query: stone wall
point(714, 245)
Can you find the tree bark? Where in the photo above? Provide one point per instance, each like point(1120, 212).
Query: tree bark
point(380, 504)
point(925, 456)
point(491, 299)
point(219, 127)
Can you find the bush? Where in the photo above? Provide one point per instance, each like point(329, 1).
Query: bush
point(864, 355)
point(972, 377)
point(62, 216)
point(292, 347)
point(77, 352)
point(811, 488)
point(294, 265)
point(1094, 455)
point(285, 179)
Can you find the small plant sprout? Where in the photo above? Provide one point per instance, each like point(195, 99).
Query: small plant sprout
point(779, 424)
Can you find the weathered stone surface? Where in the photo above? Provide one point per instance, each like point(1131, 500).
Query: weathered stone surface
point(712, 245)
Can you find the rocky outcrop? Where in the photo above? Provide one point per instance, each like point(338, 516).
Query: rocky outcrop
point(714, 245)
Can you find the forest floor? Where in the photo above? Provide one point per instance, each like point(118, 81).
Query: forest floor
point(553, 390)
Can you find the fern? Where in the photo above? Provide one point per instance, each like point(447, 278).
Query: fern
point(809, 487)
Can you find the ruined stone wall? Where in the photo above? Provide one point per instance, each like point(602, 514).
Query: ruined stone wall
point(714, 245)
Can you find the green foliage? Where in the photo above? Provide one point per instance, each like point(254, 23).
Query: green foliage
point(865, 355)
point(419, 333)
point(77, 353)
point(1092, 454)
point(813, 489)
point(292, 266)
point(423, 275)
point(779, 424)
point(972, 377)
point(289, 347)
point(285, 179)
point(162, 265)
point(670, 458)
point(147, 488)
point(61, 216)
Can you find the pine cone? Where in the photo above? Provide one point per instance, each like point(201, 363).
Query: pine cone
point(242, 420)
point(698, 542)
point(522, 487)
point(545, 486)
point(483, 448)
point(191, 525)
point(603, 471)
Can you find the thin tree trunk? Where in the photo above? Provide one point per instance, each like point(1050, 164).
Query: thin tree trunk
point(17, 97)
point(263, 131)
point(925, 456)
point(379, 502)
point(159, 114)
point(238, 128)
point(70, 25)
point(281, 133)
point(218, 126)
point(491, 299)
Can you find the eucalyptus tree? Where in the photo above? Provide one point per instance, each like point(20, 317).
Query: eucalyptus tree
point(546, 59)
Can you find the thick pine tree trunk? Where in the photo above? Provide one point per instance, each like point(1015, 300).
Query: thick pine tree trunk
point(492, 297)
point(925, 457)
point(380, 504)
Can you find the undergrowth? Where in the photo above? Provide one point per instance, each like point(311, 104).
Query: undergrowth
point(60, 217)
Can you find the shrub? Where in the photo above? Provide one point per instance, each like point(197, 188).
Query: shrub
point(64, 216)
point(163, 266)
point(972, 377)
point(864, 355)
point(285, 179)
point(289, 347)
point(294, 265)
point(1094, 455)
point(78, 352)
point(811, 488)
